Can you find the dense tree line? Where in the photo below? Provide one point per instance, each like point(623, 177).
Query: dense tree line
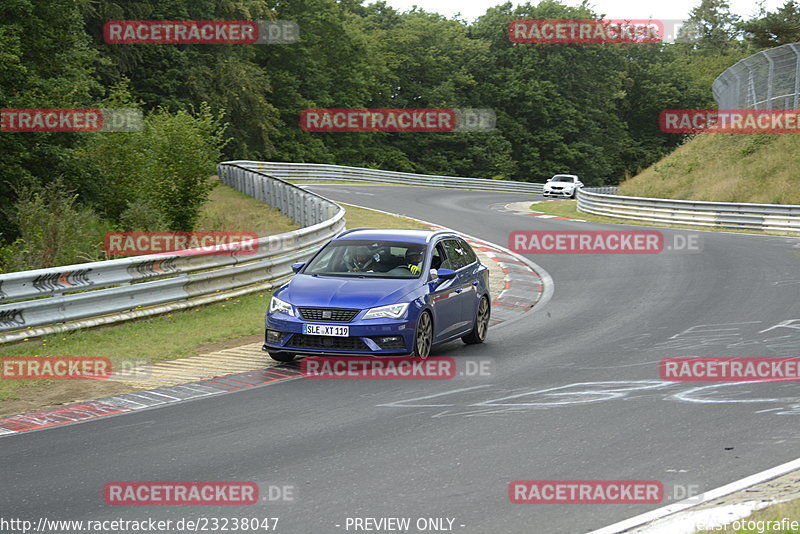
point(590, 109)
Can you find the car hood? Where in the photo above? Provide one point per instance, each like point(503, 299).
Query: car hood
point(344, 292)
point(560, 184)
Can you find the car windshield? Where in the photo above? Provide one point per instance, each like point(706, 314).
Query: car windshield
point(561, 179)
point(368, 259)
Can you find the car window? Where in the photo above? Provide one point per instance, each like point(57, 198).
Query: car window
point(438, 257)
point(469, 254)
point(374, 259)
point(455, 254)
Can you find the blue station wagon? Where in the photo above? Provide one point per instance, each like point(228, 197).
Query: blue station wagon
point(381, 292)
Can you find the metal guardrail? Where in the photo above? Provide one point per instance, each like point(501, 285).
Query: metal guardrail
point(771, 217)
point(45, 301)
point(606, 190)
point(317, 171)
point(769, 79)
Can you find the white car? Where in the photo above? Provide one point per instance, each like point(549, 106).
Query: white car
point(562, 185)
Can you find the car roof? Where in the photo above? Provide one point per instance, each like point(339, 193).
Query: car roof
point(567, 175)
point(391, 234)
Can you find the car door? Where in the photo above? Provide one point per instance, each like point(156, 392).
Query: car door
point(472, 284)
point(445, 307)
point(461, 287)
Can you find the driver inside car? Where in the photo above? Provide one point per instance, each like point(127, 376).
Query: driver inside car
point(361, 260)
point(414, 260)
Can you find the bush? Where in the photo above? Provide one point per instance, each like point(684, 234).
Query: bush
point(158, 178)
point(54, 230)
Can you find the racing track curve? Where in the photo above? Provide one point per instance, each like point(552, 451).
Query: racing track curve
point(375, 449)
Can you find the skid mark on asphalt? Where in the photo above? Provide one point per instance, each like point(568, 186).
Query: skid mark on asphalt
point(487, 399)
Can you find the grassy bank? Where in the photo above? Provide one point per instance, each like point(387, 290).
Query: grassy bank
point(759, 168)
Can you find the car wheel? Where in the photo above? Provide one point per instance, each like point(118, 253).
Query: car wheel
point(423, 336)
point(479, 331)
point(281, 356)
point(574, 192)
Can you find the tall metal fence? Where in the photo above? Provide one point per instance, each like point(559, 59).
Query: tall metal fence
point(769, 79)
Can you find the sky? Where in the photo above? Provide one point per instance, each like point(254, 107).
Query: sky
point(624, 9)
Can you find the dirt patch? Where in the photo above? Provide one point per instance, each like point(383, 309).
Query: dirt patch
point(229, 343)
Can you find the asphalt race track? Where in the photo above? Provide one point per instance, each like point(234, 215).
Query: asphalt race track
point(576, 395)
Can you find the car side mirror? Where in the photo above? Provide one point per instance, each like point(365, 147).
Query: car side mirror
point(446, 274)
point(297, 266)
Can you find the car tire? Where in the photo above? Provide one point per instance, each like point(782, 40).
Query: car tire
point(481, 327)
point(282, 356)
point(423, 336)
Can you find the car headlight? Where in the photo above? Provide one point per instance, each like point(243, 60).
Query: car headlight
point(278, 305)
point(392, 311)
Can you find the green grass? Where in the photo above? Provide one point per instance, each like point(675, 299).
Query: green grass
point(166, 337)
point(232, 211)
point(760, 168)
point(789, 510)
point(567, 208)
point(364, 218)
point(163, 337)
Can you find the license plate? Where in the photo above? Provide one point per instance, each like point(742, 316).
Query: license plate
point(326, 330)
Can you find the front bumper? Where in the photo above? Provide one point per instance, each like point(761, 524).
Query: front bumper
point(374, 336)
point(557, 193)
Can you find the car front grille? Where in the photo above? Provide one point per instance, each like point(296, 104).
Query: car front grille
point(305, 341)
point(336, 315)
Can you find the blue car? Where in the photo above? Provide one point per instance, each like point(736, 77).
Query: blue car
point(381, 292)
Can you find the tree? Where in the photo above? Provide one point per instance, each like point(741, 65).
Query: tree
point(714, 25)
point(776, 28)
point(44, 63)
